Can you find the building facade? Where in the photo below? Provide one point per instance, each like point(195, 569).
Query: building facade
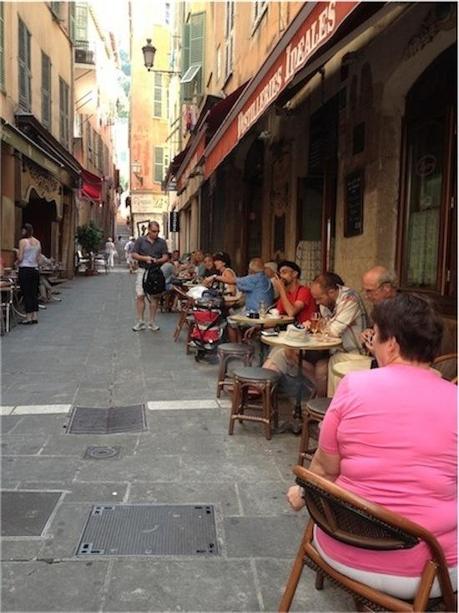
point(39, 174)
point(149, 118)
point(339, 152)
point(46, 66)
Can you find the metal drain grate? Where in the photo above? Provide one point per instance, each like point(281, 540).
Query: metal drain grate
point(115, 420)
point(102, 453)
point(149, 530)
point(26, 513)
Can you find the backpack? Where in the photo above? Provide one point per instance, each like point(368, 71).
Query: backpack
point(153, 281)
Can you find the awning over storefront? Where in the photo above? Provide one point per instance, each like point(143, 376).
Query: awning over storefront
point(91, 186)
point(208, 126)
point(314, 26)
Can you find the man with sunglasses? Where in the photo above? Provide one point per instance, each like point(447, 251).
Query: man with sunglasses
point(148, 249)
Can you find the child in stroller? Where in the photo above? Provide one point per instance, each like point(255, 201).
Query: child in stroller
point(209, 323)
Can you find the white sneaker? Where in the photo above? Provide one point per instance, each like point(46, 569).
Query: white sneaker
point(140, 325)
point(153, 326)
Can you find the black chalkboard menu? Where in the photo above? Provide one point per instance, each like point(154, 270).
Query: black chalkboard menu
point(353, 203)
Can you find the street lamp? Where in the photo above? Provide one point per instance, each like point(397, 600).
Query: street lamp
point(149, 51)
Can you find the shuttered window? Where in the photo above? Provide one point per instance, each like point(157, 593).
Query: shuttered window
point(64, 108)
point(161, 161)
point(81, 22)
point(72, 24)
point(45, 90)
point(158, 96)
point(193, 57)
point(100, 153)
point(229, 38)
point(24, 65)
point(2, 47)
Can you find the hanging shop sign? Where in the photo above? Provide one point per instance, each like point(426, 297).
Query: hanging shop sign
point(174, 223)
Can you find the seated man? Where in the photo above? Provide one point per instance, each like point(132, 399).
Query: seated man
point(347, 318)
point(257, 289)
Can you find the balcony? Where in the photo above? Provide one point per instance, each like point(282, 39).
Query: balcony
point(84, 53)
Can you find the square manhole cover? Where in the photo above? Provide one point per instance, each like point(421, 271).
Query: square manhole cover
point(149, 530)
point(26, 513)
point(115, 420)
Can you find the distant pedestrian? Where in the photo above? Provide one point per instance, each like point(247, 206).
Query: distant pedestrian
point(128, 249)
point(149, 249)
point(28, 257)
point(110, 251)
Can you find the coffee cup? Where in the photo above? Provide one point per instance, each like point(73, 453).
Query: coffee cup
point(274, 312)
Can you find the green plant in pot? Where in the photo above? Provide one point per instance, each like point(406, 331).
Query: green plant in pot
point(89, 236)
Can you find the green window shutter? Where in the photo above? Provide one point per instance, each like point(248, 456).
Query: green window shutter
point(64, 112)
point(2, 47)
point(186, 48)
point(195, 54)
point(45, 90)
point(24, 66)
point(159, 164)
point(72, 25)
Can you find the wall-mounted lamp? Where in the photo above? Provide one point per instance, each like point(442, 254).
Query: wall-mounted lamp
point(149, 51)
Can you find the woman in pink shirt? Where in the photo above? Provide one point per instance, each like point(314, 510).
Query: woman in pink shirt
point(390, 436)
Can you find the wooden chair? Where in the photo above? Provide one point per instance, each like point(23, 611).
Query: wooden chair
point(264, 382)
point(186, 304)
point(350, 519)
point(446, 365)
point(314, 413)
point(228, 352)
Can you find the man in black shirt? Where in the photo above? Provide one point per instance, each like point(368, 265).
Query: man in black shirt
point(149, 249)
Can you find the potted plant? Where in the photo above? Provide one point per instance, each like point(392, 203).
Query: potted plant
point(89, 237)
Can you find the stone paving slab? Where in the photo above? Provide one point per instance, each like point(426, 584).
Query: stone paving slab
point(39, 586)
point(190, 585)
point(186, 456)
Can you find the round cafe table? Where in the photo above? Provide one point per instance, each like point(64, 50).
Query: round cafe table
point(312, 342)
point(264, 322)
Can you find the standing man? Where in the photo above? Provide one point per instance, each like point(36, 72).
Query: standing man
point(149, 249)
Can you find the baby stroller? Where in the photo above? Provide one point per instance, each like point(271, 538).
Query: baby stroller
point(208, 326)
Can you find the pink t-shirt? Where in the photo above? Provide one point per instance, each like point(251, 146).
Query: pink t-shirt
point(395, 430)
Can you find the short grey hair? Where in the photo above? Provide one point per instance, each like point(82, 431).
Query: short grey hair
point(388, 276)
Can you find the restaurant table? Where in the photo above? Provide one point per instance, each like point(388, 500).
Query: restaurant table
point(312, 342)
point(343, 368)
point(262, 322)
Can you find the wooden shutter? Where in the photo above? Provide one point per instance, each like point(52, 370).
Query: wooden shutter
point(159, 164)
point(45, 90)
point(24, 66)
point(158, 96)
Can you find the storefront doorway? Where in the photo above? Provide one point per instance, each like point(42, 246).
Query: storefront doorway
point(316, 205)
point(43, 217)
point(252, 203)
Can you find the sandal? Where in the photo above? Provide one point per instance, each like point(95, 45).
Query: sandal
point(27, 322)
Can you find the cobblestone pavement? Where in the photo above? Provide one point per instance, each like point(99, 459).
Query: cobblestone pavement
point(83, 352)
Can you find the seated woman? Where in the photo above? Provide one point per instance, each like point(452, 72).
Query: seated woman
point(225, 277)
point(209, 268)
point(390, 437)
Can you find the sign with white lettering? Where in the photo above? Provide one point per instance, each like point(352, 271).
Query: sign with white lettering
point(319, 25)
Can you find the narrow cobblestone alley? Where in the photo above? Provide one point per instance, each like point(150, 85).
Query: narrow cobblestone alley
point(84, 353)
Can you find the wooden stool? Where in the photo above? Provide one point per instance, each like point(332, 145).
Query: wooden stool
point(314, 413)
point(263, 381)
point(227, 352)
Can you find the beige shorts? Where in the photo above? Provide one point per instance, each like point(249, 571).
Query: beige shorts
point(286, 366)
point(139, 283)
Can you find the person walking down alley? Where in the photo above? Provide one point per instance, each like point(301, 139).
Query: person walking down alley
point(128, 249)
point(149, 249)
point(28, 258)
point(110, 251)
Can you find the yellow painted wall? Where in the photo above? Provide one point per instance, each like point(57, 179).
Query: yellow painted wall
point(47, 35)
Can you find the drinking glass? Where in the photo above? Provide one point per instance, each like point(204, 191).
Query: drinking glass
point(262, 310)
point(315, 323)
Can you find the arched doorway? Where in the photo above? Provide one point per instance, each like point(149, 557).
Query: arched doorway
point(43, 217)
